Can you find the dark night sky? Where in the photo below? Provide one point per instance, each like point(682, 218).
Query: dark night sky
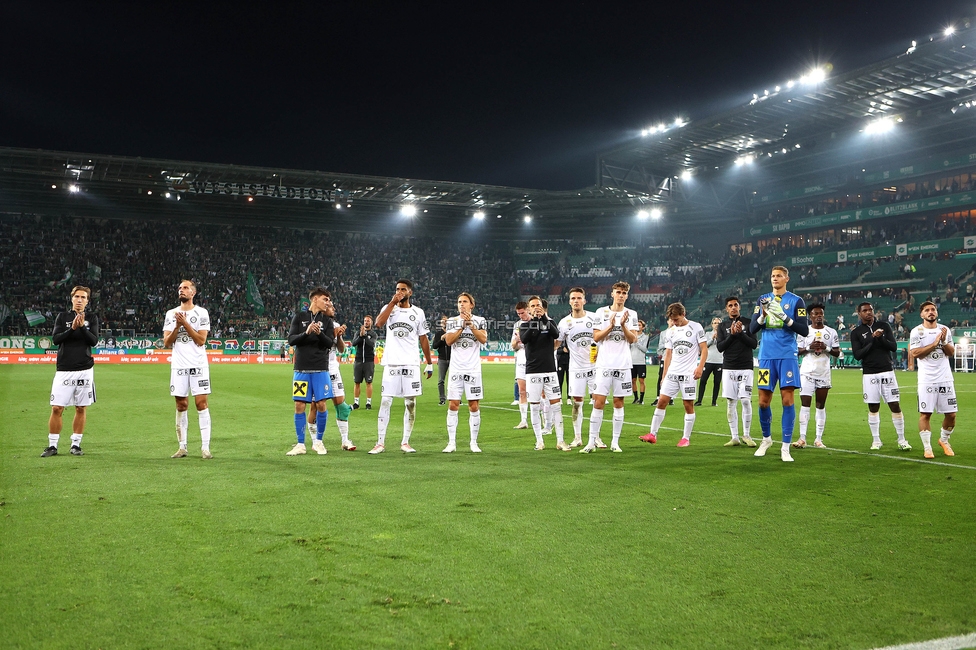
point(515, 94)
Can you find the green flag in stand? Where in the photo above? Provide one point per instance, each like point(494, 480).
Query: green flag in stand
point(34, 317)
point(253, 296)
point(304, 304)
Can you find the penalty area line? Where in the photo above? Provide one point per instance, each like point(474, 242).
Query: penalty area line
point(946, 643)
point(923, 461)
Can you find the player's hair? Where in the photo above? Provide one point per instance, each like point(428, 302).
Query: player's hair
point(369, 316)
point(816, 305)
point(620, 285)
point(731, 299)
point(531, 298)
point(926, 304)
point(862, 304)
point(80, 288)
point(675, 309)
point(406, 282)
point(578, 290)
point(468, 296)
point(192, 283)
point(521, 304)
point(319, 291)
point(785, 270)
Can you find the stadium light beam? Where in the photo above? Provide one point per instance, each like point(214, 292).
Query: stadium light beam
point(877, 127)
point(643, 214)
point(479, 215)
point(408, 210)
point(656, 213)
point(686, 175)
point(950, 30)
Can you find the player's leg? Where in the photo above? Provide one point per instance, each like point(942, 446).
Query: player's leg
point(179, 388)
point(689, 402)
point(357, 380)
point(730, 394)
point(821, 414)
point(717, 384)
point(411, 390)
point(455, 387)
point(788, 419)
point(669, 388)
point(555, 400)
point(474, 424)
point(54, 425)
point(390, 387)
point(766, 382)
point(443, 367)
point(948, 424)
point(200, 389)
point(891, 394)
point(807, 389)
point(620, 388)
point(925, 431)
point(599, 395)
point(368, 369)
point(534, 396)
point(523, 403)
point(301, 395)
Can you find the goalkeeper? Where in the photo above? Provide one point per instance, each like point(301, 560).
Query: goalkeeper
point(781, 315)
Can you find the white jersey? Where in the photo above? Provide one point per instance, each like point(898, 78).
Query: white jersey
point(404, 328)
point(817, 364)
point(615, 348)
point(186, 353)
point(577, 334)
point(685, 341)
point(934, 368)
point(520, 353)
point(466, 349)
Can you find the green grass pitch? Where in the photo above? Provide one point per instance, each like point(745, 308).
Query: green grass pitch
point(512, 548)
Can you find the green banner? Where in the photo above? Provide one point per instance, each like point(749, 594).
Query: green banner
point(935, 246)
point(253, 296)
point(899, 250)
point(789, 195)
point(918, 169)
point(865, 214)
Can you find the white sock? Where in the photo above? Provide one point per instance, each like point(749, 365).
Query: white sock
point(181, 425)
point(76, 439)
point(944, 434)
point(618, 425)
point(343, 427)
point(556, 417)
point(474, 425)
point(204, 416)
point(898, 419)
point(452, 421)
point(804, 421)
point(732, 417)
point(369, 400)
point(874, 424)
point(821, 417)
point(52, 439)
point(746, 416)
point(926, 437)
point(523, 407)
point(596, 421)
point(409, 417)
point(657, 420)
point(535, 413)
point(546, 416)
point(577, 420)
point(689, 424)
point(311, 431)
point(355, 400)
point(383, 419)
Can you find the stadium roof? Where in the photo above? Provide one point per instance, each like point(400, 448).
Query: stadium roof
point(54, 182)
point(930, 88)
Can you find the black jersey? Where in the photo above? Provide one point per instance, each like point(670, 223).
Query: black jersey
point(736, 348)
point(311, 350)
point(539, 336)
point(365, 345)
point(74, 346)
point(873, 353)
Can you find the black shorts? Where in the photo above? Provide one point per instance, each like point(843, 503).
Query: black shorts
point(362, 371)
point(638, 371)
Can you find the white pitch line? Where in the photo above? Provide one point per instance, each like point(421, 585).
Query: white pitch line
point(923, 461)
point(947, 643)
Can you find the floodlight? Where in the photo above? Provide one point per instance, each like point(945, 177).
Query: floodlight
point(816, 76)
point(964, 341)
point(54, 187)
point(686, 175)
point(679, 122)
point(949, 31)
point(643, 214)
point(527, 218)
point(661, 127)
point(168, 195)
point(643, 132)
point(883, 125)
point(74, 189)
point(479, 215)
point(408, 210)
point(656, 213)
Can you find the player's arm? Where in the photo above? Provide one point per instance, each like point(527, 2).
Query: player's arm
point(888, 338)
point(296, 334)
point(703, 357)
point(641, 343)
point(356, 340)
point(340, 345)
point(62, 330)
point(599, 335)
point(667, 360)
point(798, 325)
point(425, 346)
point(919, 351)
point(480, 335)
point(722, 340)
point(553, 330)
point(199, 336)
point(629, 334)
point(835, 351)
point(90, 332)
point(169, 331)
point(448, 337)
point(758, 321)
point(529, 330)
point(860, 348)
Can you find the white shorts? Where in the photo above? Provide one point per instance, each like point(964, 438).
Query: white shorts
point(737, 384)
point(336, 379)
point(542, 385)
point(581, 380)
point(189, 381)
point(809, 384)
point(467, 384)
point(401, 381)
point(613, 381)
point(74, 388)
point(674, 384)
point(880, 387)
point(937, 398)
point(519, 370)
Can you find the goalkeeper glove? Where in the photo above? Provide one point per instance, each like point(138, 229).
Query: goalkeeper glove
point(776, 310)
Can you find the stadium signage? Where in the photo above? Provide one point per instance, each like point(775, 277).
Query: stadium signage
point(254, 189)
point(865, 214)
point(900, 250)
point(918, 169)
